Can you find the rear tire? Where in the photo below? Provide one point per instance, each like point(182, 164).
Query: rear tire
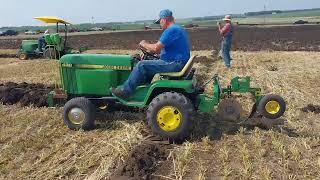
point(272, 106)
point(170, 116)
point(22, 56)
point(50, 53)
point(79, 113)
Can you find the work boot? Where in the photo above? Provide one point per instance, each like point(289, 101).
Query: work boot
point(120, 93)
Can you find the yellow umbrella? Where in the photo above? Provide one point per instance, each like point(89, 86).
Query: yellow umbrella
point(51, 19)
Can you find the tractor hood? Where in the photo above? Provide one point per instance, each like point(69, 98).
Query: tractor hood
point(97, 59)
point(93, 74)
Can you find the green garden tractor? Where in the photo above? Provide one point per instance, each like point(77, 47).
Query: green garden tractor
point(56, 46)
point(170, 100)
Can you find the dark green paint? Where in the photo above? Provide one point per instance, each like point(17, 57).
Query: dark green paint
point(92, 74)
point(29, 46)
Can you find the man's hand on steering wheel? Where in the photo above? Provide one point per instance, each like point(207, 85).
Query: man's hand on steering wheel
point(146, 52)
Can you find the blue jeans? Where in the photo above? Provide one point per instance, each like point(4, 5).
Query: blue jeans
point(144, 71)
point(226, 48)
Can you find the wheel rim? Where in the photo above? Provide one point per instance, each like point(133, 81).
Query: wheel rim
point(76, 115)
point(169, 118)
point(104, 106)
point(272, 107)
point(23, 56)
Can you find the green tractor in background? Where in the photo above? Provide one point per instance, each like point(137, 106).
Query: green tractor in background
point(170, 100)
point(56, 46)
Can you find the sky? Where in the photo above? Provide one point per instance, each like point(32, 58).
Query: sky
point(21, 12)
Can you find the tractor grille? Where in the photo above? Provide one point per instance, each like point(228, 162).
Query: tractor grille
point(69, 80)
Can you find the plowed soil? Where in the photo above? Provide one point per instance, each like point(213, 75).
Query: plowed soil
point(24, 93)
point(8, 55)
point(312, 108)
point(143, 161)
point(247, 38)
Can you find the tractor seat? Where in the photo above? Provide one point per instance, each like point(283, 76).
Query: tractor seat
point(186, 69)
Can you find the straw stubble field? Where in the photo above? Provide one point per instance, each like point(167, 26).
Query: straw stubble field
point(35, 144)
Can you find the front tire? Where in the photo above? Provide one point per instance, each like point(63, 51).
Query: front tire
point(79, 113)
point(170, 116)
point(22, 56)
point(272, 106)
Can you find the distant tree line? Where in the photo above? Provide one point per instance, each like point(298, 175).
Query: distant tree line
point(262, 13)
point(214, 18)
point(277, 12)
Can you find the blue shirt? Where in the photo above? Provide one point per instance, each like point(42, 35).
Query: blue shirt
point(176, 44)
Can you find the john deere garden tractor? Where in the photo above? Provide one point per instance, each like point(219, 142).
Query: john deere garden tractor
point(170, 100)
point(56, 46)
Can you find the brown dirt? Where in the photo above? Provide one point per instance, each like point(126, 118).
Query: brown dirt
point(204, 60)
point(287, 38)
point(143, 161)
point(312, 108)
point(202, 75)
point(24, 93)
point(8, 55)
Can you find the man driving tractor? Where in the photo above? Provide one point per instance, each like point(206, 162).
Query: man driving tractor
point(42, 42)
point(173, 47)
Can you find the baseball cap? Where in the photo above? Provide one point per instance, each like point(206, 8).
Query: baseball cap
point(163, 14)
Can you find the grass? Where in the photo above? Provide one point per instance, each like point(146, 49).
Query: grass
point(305, 13)
point(32, 71)
point(35, 144)
point(8, 51)
point(275, 20)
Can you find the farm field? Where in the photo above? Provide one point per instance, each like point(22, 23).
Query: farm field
point(247, 38)
point(35, 144)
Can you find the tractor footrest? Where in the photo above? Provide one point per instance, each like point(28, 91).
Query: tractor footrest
point(56, 97)
point(60, 94)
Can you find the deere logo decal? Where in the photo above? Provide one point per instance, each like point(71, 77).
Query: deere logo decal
point(90, 66)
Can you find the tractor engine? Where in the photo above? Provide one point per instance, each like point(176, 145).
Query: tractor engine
point(93, 74)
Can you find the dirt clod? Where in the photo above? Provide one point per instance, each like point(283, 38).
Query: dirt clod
point(311, 108)
point(143, 161)
point(24, 93)
point(272, 68)
point(8, 55)
point(204, 60)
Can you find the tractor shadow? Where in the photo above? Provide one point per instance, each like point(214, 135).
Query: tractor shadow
point(210, 125)
point(205, 125)
point(111, 119)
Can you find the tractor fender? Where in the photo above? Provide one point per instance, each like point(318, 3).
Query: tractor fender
point(180, 86)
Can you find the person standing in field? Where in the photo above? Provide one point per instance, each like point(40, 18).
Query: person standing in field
point(226, 32)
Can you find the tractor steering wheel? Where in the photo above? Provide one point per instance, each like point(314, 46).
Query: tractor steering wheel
point(148, 55)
